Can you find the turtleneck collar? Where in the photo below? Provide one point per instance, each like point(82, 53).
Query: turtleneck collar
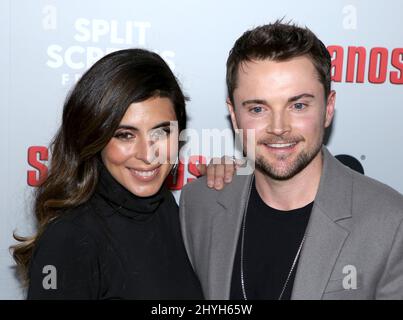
point(122, 200)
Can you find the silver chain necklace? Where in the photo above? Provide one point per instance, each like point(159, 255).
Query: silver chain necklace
point(243, 284)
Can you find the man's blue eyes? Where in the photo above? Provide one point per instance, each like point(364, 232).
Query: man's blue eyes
point(297, 106)
point(256, 109)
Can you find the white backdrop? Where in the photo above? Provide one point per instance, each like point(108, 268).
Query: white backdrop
point(47, 44)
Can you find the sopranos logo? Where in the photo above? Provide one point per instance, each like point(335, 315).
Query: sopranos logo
point(37, 158)
point(359, 64)
point(95, 38)
point(185, 173)
point(39, 155)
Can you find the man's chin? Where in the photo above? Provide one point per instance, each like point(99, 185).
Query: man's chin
point(280, 175)
point(281, 170)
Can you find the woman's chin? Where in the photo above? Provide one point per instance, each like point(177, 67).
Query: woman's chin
point(143, 183)
point(146, 186)
point(145, 190)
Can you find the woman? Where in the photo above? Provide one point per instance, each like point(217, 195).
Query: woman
point(107, 226)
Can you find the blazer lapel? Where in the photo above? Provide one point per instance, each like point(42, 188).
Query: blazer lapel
point(226, 226)
point(321, 248)
point(325, 237)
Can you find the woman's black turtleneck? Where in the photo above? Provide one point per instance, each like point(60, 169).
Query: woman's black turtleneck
point(115, 246)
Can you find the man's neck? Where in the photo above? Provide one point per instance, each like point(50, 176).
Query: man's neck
point(294, 193)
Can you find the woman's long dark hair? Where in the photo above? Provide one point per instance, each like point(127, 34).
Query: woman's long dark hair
point(91, 114)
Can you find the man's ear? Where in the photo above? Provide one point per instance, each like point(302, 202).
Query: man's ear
point(231, 110)
point(330, 106)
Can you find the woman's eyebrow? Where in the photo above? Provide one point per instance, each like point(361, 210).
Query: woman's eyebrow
point(159, 125)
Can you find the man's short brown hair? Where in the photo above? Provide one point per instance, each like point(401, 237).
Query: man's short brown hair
point(278, 42)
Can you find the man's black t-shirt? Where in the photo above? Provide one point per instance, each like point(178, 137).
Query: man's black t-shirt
point(272, 239)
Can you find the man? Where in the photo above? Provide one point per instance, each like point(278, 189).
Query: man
point(303, 226)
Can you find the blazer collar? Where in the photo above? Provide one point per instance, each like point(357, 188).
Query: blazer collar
point(236, 194)
point(325, 237)
point(334, 197)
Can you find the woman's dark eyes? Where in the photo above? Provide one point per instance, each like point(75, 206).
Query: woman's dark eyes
point(160, 133)
point(125, 135)
point(156, 134)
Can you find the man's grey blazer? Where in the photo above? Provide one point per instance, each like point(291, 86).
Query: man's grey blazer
point(354, 244)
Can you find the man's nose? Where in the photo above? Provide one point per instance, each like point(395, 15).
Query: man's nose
point(279, 123)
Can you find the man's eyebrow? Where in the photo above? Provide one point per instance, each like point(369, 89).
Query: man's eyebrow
point(303, 95)
point(159, 125)
point(291, 99)
point(254, 101)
